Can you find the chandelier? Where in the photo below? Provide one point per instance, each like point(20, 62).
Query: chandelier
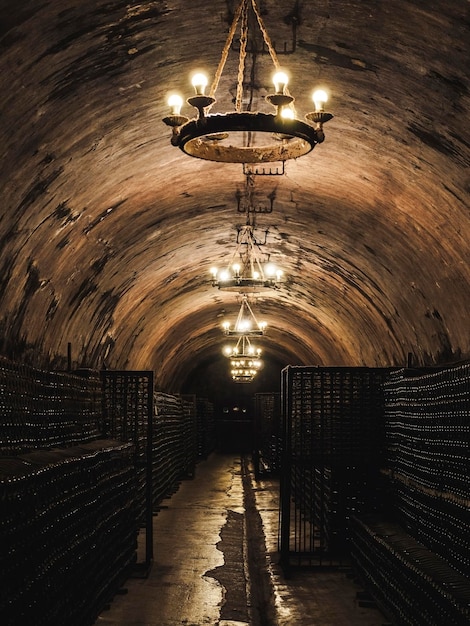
point(245, 136)
point(249, 268)
point(243, 375)
point(246, 324)
point(244, 359)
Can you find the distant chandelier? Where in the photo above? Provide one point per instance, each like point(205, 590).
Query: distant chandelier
point(244, 360)
point(245, 136)
point(249, 268)
point(243, 375)
point(246, 324)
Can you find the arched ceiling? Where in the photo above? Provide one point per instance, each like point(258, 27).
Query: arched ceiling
point(108, 232)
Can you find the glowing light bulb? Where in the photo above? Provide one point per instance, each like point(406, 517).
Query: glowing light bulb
point(175, 102)
point(280, 80)
point(244, 325)
point(199, 82)
point(319, 98)
point(287, 114)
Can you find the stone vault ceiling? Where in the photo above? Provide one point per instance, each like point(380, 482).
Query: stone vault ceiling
point(108, 232)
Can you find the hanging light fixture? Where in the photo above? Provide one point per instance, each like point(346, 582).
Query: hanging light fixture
point(245, 136)
point(243, 375)
point(245, 359)
point(246, 324)
point(249, 269)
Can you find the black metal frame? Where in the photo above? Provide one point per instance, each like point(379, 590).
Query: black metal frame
point(333, 436)
point(267, 435)
point(128, 410)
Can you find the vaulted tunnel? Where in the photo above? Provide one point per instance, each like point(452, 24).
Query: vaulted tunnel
point(108, 232)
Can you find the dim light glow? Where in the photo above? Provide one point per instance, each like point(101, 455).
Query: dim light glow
point(287, 114)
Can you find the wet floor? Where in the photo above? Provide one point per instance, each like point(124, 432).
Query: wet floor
point(186, 584)
point(215, 563)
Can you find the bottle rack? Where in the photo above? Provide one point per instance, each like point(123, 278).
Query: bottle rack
point(428, 438)
point(40, 409)
point(81, 470)
point(168, 433)
point(127, 409)
point(189, 403)
point(438, 523)
point(267, 441)
point(68, 532)
point(412, 585)
point(333, 433)
point(427, 434)
point(173, 444)
point(205, 427)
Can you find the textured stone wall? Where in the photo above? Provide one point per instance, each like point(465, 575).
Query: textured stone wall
point(108, 233)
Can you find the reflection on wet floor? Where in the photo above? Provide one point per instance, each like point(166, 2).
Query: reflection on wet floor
point(201, 575)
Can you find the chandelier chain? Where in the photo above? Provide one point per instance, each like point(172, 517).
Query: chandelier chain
point(242, 57)
point(264, 32)
point(242, 11)
point(226, 49)
point(250, 207)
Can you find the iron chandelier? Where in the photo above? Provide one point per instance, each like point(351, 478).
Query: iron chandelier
point(245, 360)
point(246, 136)
point(249, 269)
point(246, 324)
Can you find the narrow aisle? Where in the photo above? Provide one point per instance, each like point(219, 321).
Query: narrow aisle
point(215, 536)
point(198, 550)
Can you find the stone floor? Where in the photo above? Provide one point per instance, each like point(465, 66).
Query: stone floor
point(215, 563)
